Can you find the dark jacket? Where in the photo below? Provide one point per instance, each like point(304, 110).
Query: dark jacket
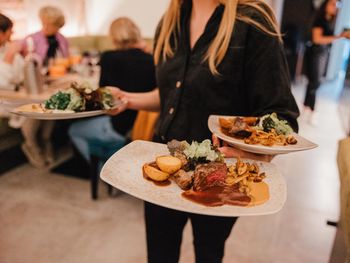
point(254, 79)
point(130, 70)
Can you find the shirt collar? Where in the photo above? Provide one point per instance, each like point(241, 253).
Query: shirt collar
point(210, 29)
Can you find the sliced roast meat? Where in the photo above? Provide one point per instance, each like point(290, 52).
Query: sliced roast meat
point(240, 128)
point(209, 175)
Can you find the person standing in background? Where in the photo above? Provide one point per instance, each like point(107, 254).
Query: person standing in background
point(48, 44)
point(220, 57)
point(317, 52)
point(11, 61)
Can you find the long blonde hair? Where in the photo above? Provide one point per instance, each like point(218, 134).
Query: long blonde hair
point(217, 49)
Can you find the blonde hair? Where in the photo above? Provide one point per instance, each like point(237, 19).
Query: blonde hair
point(53, 15)
point(124, 33)
point(217, 49)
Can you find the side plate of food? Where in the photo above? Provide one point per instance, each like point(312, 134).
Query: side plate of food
point(152, 172)
point(37, 111)
point(244, 133)
point(79, 101)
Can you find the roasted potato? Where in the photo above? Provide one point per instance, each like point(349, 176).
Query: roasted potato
point(169, 164)
point(154, 173)
point(226, 123)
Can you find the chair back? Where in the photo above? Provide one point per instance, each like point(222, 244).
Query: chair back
point(144, 125)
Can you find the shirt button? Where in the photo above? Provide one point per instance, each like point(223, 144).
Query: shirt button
point(171, 111)
point(178, 84)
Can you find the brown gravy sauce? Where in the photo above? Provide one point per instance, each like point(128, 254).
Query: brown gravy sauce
point(230, 195)
point(157, 183)
point(222, 195)
point(218, 196)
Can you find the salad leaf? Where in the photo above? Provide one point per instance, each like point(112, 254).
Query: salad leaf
point(81, 97)
point(76, 102)
point(107, 98)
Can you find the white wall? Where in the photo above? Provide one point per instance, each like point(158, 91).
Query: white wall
point(99, 14)
point(146, 14)
point(72, 10)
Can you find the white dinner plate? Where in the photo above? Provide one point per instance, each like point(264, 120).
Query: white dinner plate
point(33, 111)
point(124, 171)
point(302, 144)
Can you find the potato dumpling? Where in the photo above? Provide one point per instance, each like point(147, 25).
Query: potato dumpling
point(154, 173)
point(168, 164)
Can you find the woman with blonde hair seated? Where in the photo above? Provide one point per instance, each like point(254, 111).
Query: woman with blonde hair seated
point(127, 66)
point(49, 42)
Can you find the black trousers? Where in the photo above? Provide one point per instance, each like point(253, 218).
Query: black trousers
point(164, 229)
point(316, 58)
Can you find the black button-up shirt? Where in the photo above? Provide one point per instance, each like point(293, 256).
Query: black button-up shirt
point(253, 79)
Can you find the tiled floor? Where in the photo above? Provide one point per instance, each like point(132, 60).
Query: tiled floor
point(50, 218)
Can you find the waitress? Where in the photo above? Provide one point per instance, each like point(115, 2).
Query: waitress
point(213, 57)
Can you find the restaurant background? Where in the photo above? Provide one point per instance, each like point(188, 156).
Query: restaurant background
point(47, 213)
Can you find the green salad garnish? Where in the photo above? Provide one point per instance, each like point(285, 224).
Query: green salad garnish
point(203, 150)
point(271, 121)
point(81, 97)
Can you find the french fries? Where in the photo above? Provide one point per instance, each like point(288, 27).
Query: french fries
point(266, 138)
point(243, 173)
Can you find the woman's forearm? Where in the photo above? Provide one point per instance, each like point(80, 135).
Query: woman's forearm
point(319, 38)
point(148, 101)
point(325, 40)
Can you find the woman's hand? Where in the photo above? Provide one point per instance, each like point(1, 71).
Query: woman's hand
point(147, 101)
point(230, 151)
point(118, 94)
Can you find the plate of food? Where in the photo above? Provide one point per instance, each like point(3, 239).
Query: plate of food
point(196, 178)
point(264, 135)
point(78, 101)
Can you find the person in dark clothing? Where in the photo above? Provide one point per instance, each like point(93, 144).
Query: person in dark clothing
point(129, 67)
point(212, 57)
point(317, 52)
